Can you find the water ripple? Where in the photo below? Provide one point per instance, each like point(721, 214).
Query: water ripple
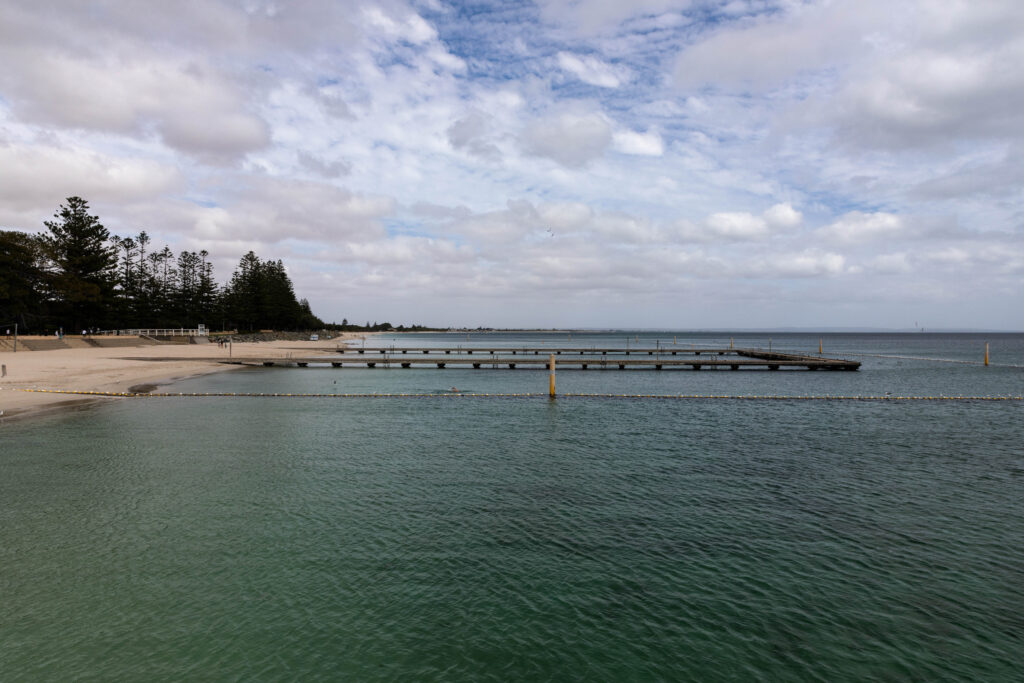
point(582, 541)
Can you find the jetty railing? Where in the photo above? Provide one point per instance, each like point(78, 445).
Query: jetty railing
point(200, 331)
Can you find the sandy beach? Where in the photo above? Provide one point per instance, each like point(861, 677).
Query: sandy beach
point(123, 369)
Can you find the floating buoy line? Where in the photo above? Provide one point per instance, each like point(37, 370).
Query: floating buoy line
point(691, 397)
point(958, 361)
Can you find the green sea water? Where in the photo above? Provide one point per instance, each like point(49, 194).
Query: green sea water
point(527, 539)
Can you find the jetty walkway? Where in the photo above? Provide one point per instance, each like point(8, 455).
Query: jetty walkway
point(540, 358)
point(668, 356)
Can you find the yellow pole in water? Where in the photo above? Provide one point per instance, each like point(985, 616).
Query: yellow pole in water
point(730, 342)
point(986, 354)
point(819, 346)
point(551, 377)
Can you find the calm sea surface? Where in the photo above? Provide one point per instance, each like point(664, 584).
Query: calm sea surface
point(526, 539)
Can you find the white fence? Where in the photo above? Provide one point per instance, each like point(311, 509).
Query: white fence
point(200, 331)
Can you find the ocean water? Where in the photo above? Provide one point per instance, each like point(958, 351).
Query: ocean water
point(458, 538)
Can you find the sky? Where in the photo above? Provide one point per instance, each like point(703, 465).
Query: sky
point(671, 164)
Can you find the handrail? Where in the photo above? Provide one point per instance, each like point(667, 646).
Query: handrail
point(157, 332)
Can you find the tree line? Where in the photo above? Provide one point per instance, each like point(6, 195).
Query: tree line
point(76, 275)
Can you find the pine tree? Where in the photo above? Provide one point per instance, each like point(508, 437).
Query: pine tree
point(80, 276)
point(206, 292)
point(83, 265)
point(23, 283)
point(242, 295)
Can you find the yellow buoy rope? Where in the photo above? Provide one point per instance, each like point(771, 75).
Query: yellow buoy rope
point(692, 397)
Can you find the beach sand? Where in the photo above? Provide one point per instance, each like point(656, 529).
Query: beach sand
point(124, 369)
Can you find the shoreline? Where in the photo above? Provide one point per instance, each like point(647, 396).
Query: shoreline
point(120, 370)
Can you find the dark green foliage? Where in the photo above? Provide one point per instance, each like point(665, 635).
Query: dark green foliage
point(77, 276)
point(23, 279)
point(156, 286)
point(83, 265)
point(261, 296)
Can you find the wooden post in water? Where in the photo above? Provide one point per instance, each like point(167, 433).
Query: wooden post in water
point(551, 377)
point(819, 346)
point(730, 342)
point(986, 354)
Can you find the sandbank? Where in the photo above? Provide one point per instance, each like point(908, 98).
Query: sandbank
point(124, 369)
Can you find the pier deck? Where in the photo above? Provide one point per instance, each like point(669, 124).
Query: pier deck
point(583, 357)
point(669, 349)
point(566, 358)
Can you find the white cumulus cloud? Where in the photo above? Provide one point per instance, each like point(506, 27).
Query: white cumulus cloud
point(592, 70)
point(857, 227)
point(647, 144)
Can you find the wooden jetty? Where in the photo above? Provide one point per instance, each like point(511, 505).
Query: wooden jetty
point(566, 358)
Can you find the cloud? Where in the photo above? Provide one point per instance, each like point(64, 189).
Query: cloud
point(890, 263)
point(1000, 177)
point(500, 228)
point(857, 227)
point(406, 251)
point(956, 256)
point(590, 16)
point(741, 225)
point(437, 211)
point(737, 225)
point(411, 28)
point(565, 216)
point(331, 100)
point(803, 264)
point(618, 154)
point(191, 108)
point(471, 133)
point(571, 139)
point(641, 144)
point(269, 210)
point(35, 179)
point(592, 70)
point(322, 167)
point(924, 98)
point(783, 216)
point(767, 50)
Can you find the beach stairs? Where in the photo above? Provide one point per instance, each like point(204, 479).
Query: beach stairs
point(53, 344)
point(170, 339)
point(6, 345)
point(118, 342)
point(199, 340)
